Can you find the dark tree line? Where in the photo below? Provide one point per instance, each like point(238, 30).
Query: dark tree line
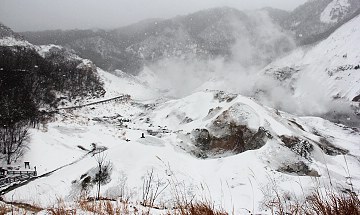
point(29, 82)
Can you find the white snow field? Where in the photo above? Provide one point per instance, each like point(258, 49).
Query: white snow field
point(233, 181)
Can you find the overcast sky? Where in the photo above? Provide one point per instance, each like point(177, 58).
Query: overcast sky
point(31, 15)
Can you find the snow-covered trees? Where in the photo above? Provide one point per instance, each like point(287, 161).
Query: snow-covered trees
point(29, 82)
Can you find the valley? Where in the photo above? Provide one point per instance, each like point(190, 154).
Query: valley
point(228, 108)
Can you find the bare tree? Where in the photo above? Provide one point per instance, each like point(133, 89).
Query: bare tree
point(103, 175)
point(13, 140)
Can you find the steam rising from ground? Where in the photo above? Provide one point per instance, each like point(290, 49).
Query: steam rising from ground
point(255, 47)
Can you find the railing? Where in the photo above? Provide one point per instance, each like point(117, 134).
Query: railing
point(15, 176)
point(118, 98)
point(16, 172)
point(9, 180)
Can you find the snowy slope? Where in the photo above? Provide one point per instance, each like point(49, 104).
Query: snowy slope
point(332, 64)
point(334, 11)
point(240, 181)
point(122, 83)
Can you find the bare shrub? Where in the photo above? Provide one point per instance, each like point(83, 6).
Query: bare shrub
point(90, 206)
point(206, 208)
point(334, 204)
point(103, 176)
point(61, 209)
point(4, 209)
point(319, 203)
point(105, 207)
point(200, 207)
point(152, 188)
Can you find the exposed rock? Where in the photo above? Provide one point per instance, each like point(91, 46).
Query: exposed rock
point(212, 112)
point(356, 98)
point(238, 138)
point(300, 147)
point(187, 120)
point(297, 124)
point(202, 139)
point(330, 149)
point(282, 74)
point(299, 168)
point(222, 96)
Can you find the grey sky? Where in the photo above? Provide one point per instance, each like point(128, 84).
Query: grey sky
point(26, 15)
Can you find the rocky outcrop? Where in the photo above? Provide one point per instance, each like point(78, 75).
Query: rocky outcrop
point(221, 96)
point(356, 98)
point(297, 145)
point(238, 139)
point(304, 147)
point(299, 168)
point(329, 149)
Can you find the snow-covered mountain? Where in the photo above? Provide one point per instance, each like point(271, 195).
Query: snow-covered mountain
point(59, 67)
point(328, 71)
point(206, 34)
point(317, 19)
point(7, 32)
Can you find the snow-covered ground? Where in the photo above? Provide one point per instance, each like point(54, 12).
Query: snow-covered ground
point(240, 181)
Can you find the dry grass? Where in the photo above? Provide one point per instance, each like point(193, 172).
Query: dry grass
point(334, 204)
point(203, 208)
point(4, 209)
point(18, 208)
point(61, 209)
point(330, 203)
point(198, 208)
point(91, 206)
point(105, 207)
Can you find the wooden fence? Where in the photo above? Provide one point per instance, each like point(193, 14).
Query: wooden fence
point(15, 176)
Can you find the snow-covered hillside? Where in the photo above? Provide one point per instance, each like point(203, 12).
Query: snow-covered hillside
point(295, 151)
point(314, 20)
point(328, 70)
point(335, 10)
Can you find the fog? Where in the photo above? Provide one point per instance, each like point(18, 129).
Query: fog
point(244, 73)
point(33, 15)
